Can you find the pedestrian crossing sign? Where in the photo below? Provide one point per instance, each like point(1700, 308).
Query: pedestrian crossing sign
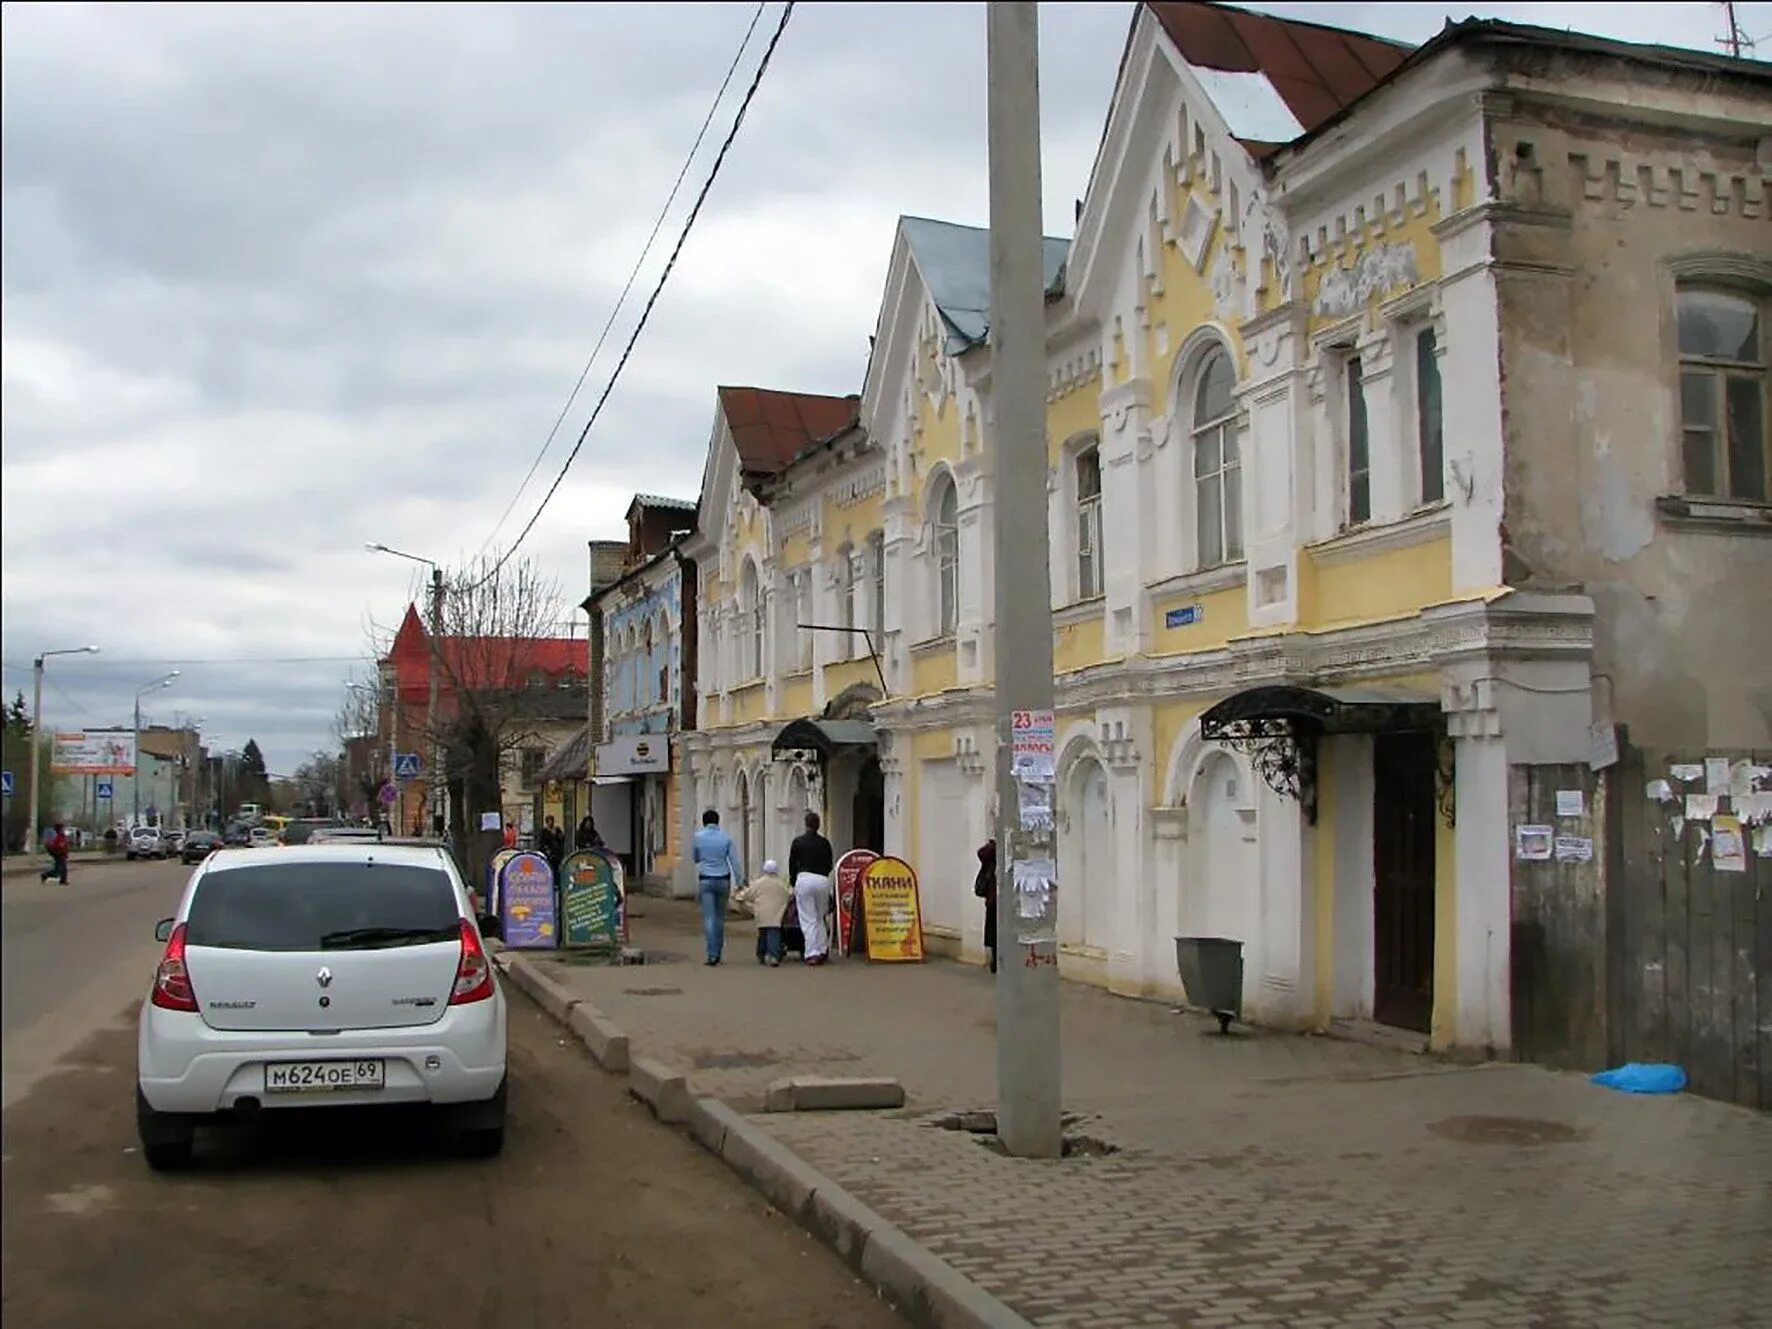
point(406, 765)
point(104, 788)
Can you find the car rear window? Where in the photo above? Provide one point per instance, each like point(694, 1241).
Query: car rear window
point(298, 832)
point(322, 907)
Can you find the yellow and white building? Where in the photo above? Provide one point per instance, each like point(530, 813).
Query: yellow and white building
point(1310, 624)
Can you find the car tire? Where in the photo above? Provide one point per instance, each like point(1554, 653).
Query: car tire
point(167, 1137)
point(480, 1130)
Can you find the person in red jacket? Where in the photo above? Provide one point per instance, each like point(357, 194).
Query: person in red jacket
point(57, 845)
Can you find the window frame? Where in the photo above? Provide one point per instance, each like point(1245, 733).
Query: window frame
point(750, 607)
point(1226, 475)
point(1356, 439)
point(944, 548)
point(1721, 373)
point(1430, 461)
point(1089, 564)
point(877, 588)
point(846, 603)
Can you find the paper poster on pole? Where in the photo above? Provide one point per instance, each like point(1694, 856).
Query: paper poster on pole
point(1035, 806)
point(1033, 748)
point(846, 880)
point(1532, 844)
point(526, 903)
point(1728, 850)
point(891, 910)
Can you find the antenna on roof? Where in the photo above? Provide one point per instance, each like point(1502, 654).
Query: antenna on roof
point(1736, 41)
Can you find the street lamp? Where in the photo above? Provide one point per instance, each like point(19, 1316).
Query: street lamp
point(37, 723)
point(431, 779)
point(135, 781)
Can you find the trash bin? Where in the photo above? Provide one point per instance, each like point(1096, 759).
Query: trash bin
point(1212, 975)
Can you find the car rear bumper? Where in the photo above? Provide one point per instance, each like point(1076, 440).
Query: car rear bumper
point(183, 1065)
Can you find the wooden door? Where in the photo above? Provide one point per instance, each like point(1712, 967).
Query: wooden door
point(1403, 870)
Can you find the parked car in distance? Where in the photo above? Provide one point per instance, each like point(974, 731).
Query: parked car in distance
point(144, 842)
point(346, 835)
point(171, 841)
point(236, 833)
point(374, 947)
point(198, 846)
point(303, 829)
point(259, 838)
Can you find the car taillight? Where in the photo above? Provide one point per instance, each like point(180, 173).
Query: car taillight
point(473, 973)
point(172, 982)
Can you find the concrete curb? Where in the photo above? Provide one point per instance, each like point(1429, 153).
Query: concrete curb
point(926, 1289)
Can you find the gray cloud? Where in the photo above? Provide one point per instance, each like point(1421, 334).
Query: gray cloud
point(282, 279)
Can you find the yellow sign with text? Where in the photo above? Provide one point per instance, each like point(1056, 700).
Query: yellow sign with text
point(891, 910)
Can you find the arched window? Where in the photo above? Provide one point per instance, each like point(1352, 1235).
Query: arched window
point(845, 603)
point(1089, 556)
point(1725, 441)
point(944, 512)
point(750, 608)
point(1218, 477)
point(877, 589)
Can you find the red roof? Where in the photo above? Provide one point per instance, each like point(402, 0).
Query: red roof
point(1318, 71)
point(482, 662)
point(771, 428)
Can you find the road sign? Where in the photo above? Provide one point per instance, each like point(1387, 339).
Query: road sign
point(388, 795)
point(105, 788)
point(406, 765)
point(6, 783)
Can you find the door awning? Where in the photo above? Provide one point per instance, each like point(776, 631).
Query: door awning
point(1323, 710)
point(823, 736)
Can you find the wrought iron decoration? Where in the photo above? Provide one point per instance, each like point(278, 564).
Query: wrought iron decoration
point(1283, 752)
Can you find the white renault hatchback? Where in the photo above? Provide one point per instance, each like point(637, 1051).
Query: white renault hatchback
point(321, 975)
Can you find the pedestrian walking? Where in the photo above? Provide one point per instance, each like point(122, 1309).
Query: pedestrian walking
point(56, 844)
point(768, 897)
point(587, 837)
point(810, 863)
point(552, 843)
point(985, 888)
point(716, 869)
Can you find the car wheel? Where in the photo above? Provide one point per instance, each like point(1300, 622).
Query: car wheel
point(167, 1137)
point(481, 1128)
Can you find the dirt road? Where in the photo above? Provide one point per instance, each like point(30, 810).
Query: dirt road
point(595, 1215)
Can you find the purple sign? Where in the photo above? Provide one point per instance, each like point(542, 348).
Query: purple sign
point(526, 902)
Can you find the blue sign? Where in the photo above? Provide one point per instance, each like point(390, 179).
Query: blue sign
point(406, 766)
point(6, 783)
point(104, 788)
point(1181, 618)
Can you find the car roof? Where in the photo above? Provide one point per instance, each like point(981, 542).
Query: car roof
point(410, 855)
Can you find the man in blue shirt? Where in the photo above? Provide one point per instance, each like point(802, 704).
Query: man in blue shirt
point(717, 869)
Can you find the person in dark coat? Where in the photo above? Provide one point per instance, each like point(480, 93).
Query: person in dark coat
point(985, 888)
point(587, 837)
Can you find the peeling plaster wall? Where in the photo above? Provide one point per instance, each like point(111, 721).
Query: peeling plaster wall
point(1595, 217)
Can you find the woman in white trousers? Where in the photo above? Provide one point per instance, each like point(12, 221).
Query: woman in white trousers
point(810, 864)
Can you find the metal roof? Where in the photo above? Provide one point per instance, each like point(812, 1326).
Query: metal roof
point(770, 428)
point(572, 759)
point(660, 501)
point(1329, 710)
point(955, 262)
point(822, 736)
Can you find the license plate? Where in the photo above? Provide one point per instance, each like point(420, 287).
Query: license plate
point(319, 1077)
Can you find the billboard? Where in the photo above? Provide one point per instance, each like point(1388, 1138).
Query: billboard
point(93, 752)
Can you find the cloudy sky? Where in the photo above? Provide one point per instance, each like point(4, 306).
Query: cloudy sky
point(281, 280)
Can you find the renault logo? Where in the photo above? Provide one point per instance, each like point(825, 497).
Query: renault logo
point(324, 977)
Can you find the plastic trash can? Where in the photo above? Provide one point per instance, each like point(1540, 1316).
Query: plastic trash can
point(1212, 975)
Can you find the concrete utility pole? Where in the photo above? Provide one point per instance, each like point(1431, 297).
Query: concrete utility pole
point(135, 780)
point(31, 832)
point(1028, 1099)
point(434, 776)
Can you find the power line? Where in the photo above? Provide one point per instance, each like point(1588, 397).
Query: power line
point(633, 275)
point(651, 300)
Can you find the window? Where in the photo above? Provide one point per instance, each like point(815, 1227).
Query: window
point(1359, 445)
point(1089, 569)
point(946, 541)
point(332, 907)
point(1218, 475)
point(858, 584)
point(750, 607)
point(1723, 428)
point(531, 766)
point(1430, 436)
point(845, 604)
point(877, 567)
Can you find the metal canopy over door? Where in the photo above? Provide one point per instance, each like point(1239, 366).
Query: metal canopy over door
point(1403, 830)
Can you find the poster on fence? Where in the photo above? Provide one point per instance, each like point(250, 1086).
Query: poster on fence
point(526, 902)
point(891, 910)
point(848, 890)
point(591, 900)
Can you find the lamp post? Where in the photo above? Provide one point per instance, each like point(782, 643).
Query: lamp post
point(435, 770)
point(37, 724)
point(135, 780)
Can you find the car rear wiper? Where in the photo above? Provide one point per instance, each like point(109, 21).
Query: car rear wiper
point(368, 937)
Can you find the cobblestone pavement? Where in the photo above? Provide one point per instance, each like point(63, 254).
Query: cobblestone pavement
point(1266, 1179)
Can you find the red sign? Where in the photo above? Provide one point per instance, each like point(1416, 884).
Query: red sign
point(849, 870)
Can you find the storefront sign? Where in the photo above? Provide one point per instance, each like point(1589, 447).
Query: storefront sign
point(891, 910)
point(93, 752)
point(848, 886)
point(591, 899)
point(635, 754)
point(526, 902)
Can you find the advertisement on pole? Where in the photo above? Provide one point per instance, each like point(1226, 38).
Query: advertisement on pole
point(847, 880)
point(592, 900)
point(93, 752)
point(526, 903)
point(891, 910)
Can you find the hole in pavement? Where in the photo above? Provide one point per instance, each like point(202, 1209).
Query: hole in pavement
point(653, 992)
point(982, 1124)
point(1523, 1131)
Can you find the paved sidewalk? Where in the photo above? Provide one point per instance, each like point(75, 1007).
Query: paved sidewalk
point(1261, 1180)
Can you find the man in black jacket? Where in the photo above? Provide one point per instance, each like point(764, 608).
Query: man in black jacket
point(810, 864)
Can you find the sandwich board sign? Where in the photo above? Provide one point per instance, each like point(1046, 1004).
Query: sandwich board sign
point(526, 904)
point(592, 900)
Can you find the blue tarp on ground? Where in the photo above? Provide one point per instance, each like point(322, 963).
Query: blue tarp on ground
point(1641, 1077)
